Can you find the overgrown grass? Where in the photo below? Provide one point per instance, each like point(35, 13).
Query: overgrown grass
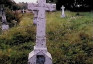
point(69, 39)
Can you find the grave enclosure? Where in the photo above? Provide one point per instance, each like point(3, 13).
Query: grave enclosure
point(40, 55)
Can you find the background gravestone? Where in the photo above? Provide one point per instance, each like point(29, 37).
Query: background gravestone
point(5, 25)
point(23, 11)
point(63, 13)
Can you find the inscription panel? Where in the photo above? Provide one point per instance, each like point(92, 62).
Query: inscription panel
point(40, 59)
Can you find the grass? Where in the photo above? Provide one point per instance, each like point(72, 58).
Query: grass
point(69, 39)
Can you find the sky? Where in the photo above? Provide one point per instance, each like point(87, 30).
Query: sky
point(29, 1)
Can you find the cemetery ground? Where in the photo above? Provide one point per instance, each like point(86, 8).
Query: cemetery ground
point(69, 39)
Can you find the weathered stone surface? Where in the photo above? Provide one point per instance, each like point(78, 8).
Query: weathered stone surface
point(40, 55)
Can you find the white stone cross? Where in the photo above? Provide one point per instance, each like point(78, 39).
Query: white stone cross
point(35, 12)
point(63, 14)
point(34, 8)
point(40, 55)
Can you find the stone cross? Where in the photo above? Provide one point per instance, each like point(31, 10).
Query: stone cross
point(5, 25)
point(63, 14)
point(40, 55)
point(35, 12)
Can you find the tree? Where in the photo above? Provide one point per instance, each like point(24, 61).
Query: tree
point(9, 3)
point(22, 5)
point(85, 5)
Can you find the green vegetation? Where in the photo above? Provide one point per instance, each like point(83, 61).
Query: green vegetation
point(10, 7)
point(69, 39)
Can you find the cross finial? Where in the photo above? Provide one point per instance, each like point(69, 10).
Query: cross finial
point(62, 7)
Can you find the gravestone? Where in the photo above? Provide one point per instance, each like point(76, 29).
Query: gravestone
point(23, 11)
point(63, 14)
point(40, 55)
point(5, 25)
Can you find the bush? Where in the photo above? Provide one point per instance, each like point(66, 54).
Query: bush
point(12, 16)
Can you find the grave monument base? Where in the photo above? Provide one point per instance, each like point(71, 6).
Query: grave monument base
point(39, 56)
point(62, 16)
point(5, 27)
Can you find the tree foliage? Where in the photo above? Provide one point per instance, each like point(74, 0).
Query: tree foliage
point(85, 5)
point(9, 3)
point(10, 6)
point(23, 5)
